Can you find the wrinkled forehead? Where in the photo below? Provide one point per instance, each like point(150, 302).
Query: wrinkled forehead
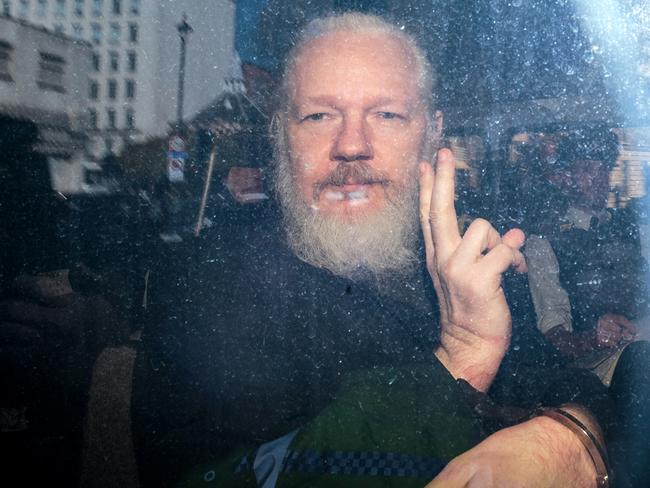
point(354, 62)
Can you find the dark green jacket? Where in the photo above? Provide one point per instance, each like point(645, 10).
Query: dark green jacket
point(393, 427)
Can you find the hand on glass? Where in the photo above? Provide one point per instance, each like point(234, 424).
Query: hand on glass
point(475, 325)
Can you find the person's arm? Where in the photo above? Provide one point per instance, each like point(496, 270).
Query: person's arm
point(475, 321)
point(611, 330)
point(571, 344)
point(553, 308)
point(538, 453)
point(475, 333)
point(550, 299)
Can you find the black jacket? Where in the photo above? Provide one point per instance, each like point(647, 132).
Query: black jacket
point(248, 343)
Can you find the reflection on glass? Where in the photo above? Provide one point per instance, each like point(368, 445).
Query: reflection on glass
point(117, 215)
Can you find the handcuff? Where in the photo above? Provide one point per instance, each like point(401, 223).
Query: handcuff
point(596, 450)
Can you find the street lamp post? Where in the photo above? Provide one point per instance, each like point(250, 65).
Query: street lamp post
point(177, 148)
point(184, 30)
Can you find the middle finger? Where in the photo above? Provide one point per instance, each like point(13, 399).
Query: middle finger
point(444, 223)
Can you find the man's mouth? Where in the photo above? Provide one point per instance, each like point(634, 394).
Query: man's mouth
point(350, 183)
point(354, 193)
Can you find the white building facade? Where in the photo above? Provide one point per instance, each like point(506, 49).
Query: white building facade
point(42, 82)
point(132, 82)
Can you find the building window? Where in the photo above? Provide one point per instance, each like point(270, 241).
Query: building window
point(96, 33)
point(97, 7)
point(135, 7)
point(93, 92)
point(41, 8)
point(93, 118)
point(133, 32)
point(111, 118)
point(60, 8)
point(115, 32)
point(112, 89)
point(132, 61)
point(77, 31)
point(23, 9)
point(117, 7)
point(114, 60)
point(5, 61)
point(79, 7)
point(129, 118)
point(129, 88)
point(97, 62)
point(59, 29)
point(51, 68)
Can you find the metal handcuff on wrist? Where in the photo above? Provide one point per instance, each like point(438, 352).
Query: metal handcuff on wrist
point(597, 452)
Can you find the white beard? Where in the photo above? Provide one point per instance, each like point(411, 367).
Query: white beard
point(375, 246)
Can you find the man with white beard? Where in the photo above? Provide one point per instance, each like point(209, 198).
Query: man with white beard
point(268, 326)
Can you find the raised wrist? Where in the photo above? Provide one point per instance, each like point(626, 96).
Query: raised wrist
point(475, 360)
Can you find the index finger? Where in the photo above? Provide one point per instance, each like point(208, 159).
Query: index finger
point(444, 223)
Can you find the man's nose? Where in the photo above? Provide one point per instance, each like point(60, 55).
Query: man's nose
point(352, 141)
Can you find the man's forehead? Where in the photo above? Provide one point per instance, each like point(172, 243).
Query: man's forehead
point(364, 48)
point(342, 64)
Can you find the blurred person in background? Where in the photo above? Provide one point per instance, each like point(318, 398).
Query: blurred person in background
point(589, 254)
point(53, 321)
point(588, 282)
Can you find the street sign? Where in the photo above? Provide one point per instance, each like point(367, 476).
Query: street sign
point(176, 143)
point(176, 157)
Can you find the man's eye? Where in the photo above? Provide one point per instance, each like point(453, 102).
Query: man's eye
point(314, 117)
point(389, 115)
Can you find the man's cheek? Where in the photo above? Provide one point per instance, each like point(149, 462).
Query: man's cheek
point(308, 167)
point(305, 182)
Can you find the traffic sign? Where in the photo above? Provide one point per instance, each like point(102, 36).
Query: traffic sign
point(176, 157)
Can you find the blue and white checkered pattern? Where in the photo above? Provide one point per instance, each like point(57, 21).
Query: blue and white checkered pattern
point(361, 464)
point(370, 463)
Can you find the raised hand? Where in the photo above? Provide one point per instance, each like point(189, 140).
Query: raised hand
point(475, 323)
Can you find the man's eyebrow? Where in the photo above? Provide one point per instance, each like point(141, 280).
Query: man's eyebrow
point(333, 101)
point(390, 101)
point(319, 100)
